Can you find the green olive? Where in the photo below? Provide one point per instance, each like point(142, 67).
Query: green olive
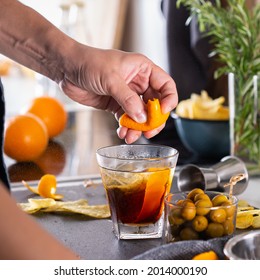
point(228, 227)
point(201, 196)
point(203, 206)
point(219, 199)
point(215, 230)
point(218, 215)
point(188, 211)
point(179, 202)
point(175, 217)
point(229, 208)
point(199, 223)
point(188, 233)
point(193, 192)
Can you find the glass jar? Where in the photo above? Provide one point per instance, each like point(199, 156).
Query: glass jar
point(244, 104)
point(79, 25)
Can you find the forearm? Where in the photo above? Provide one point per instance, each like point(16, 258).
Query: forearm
point(28, 38)
point(22, 238)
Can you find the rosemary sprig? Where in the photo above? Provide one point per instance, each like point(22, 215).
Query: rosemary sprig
point(234, 31)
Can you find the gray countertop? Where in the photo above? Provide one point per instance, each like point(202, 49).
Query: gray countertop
point(93, 239)
point(90, 238)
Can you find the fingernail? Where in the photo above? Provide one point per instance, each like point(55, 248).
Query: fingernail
point(131, 139)
point(119, 133)
point(141, 118)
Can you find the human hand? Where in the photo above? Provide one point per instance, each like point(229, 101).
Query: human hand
point(119, 82)
point(110, 80)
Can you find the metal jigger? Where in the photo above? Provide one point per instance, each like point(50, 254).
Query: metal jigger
point(215, 178)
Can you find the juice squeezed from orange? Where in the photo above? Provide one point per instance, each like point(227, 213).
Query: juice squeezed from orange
point(137, 197)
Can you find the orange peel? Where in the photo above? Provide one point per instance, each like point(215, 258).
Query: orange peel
point(210, 255)
point(155, 117)
point(46, 187)
point(157, 185)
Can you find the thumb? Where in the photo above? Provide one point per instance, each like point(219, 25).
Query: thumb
point(129, 100)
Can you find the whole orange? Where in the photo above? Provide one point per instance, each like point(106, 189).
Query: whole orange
point(26, 137)
point(52, 113)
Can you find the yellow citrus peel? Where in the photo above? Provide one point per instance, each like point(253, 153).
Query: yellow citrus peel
point(203, 107)
point(80, 206)
point(247, 216)
point(210, 255)
point(155, 118)
point(46, 187)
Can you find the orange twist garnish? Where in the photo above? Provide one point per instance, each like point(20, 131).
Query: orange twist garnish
point(155, 118)
point(156, 187)
point(46, 187)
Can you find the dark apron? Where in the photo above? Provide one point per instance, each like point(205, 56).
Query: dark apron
point(188, 54)
point(3, 174)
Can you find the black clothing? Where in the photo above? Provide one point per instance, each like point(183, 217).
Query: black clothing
point(191, 68)
point(3, 173)
point(188, 54)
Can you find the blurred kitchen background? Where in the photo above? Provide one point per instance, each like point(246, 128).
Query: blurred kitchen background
point(155, 28)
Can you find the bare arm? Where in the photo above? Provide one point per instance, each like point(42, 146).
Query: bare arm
point(22, 238)
point(110, 80)
point(28, 38)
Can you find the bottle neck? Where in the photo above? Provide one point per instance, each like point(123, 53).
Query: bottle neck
point(65, 19)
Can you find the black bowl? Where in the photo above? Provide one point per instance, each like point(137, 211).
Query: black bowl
point(204, 138)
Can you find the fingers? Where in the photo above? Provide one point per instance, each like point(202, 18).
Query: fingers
point(132, 136)
point(151, 133)
point(161, 86)
point(129, 135)
point(162, 83)
point(129, 100)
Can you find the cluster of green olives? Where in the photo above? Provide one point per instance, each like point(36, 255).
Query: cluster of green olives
point(202, 215)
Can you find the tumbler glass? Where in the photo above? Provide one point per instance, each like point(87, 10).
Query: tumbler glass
point(137, 178)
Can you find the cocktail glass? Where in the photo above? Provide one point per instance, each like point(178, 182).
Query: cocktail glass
point(136, 179)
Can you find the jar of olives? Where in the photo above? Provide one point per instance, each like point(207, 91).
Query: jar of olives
point(199, 215)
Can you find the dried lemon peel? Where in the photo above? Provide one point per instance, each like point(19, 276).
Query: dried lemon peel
point(247, 216)
point(46, 187)
point(244, 220)
point(80, 206)
point(203, 107)
point(209, 255)
point(155, 117)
